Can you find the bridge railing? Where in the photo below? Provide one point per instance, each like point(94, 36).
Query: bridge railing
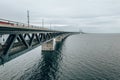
point(17, 24)
point(12, 23)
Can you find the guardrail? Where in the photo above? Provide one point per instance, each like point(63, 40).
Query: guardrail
point(15, 24)
point(18, 24)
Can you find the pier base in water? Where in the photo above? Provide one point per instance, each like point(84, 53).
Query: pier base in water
point(50, 46)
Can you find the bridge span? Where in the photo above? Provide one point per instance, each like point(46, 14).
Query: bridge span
point(21, 38)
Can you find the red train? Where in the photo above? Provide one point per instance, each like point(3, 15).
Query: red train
point(6, 23)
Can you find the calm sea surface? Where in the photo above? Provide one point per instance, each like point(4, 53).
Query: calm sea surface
point(79, 57)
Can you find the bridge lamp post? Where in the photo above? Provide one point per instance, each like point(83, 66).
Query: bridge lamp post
point(50, 26)
point(43, 23)
point(28, 18)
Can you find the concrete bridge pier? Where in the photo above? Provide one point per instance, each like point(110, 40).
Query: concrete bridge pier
point(50, 46)
point(61, 38)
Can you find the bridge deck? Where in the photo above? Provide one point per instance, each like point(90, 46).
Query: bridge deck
point(13, 29)
point(10, 27)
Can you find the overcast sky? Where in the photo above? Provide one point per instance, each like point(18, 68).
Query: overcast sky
point(89, 15)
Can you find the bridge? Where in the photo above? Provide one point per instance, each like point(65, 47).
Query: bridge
point(21, 38)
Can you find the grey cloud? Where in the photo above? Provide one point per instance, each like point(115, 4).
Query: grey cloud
point(83, 13)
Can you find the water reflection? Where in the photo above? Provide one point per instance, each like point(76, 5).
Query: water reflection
point(48, 67)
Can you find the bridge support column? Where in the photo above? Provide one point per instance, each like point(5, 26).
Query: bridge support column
point(50, 45)
point(60, 38)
